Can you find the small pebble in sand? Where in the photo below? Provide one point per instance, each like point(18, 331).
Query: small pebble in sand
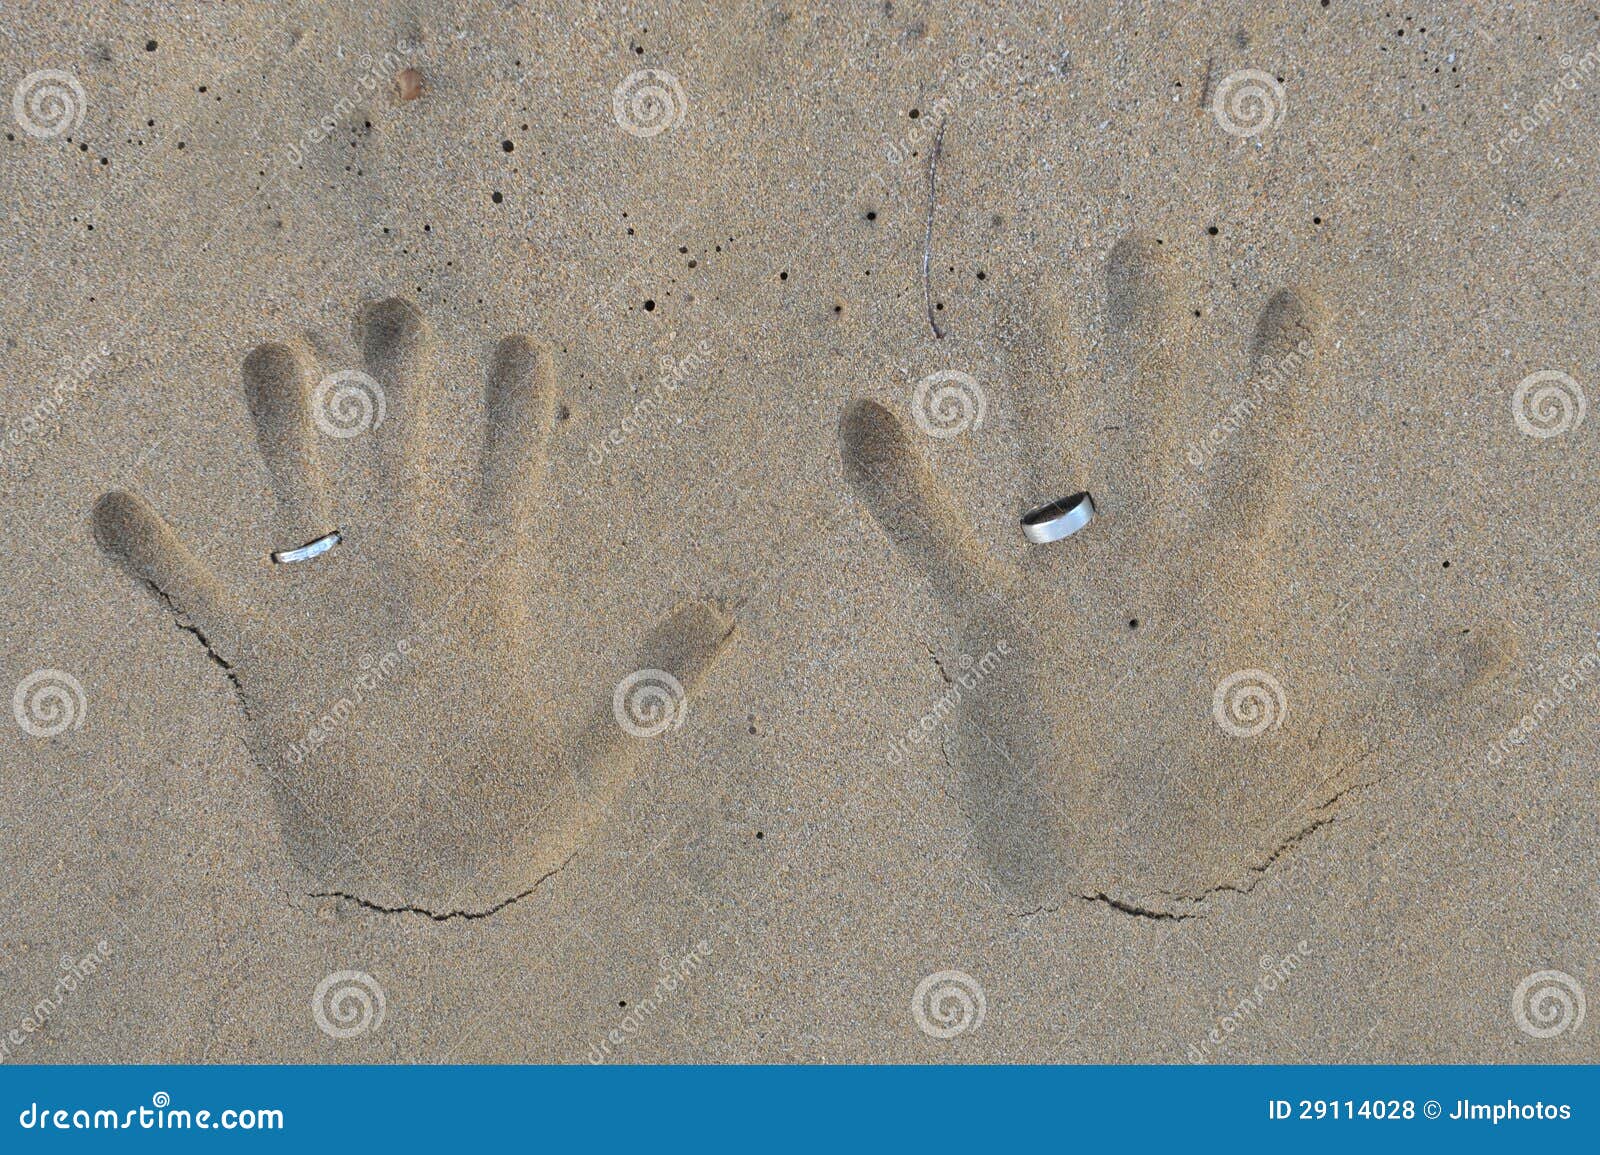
point(409, 81)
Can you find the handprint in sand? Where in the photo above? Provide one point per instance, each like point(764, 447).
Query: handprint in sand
point(1136, 735)
point(397, 689)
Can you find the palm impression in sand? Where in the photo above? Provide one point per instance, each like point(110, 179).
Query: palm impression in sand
point(1091, 746)
point(395, 688)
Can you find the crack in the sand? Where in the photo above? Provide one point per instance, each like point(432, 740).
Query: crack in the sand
point(1327, 815)
point(1133, 909)
point(185, 623)
point(1116, 904)
point(445, 916)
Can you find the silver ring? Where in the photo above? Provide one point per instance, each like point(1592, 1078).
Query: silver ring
point(310, 550)
point(1059, 519)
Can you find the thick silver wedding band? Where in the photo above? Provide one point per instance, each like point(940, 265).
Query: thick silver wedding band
point(308, 551)
point(1059, 519)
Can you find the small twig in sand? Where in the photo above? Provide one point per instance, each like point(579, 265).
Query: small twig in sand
point(927, 244)
point(1205, 89)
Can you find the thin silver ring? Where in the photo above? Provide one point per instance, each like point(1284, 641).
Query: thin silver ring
point(308, 551)
point(1059, 519)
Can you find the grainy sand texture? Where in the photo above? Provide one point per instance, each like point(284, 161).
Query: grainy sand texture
point(681, 685)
